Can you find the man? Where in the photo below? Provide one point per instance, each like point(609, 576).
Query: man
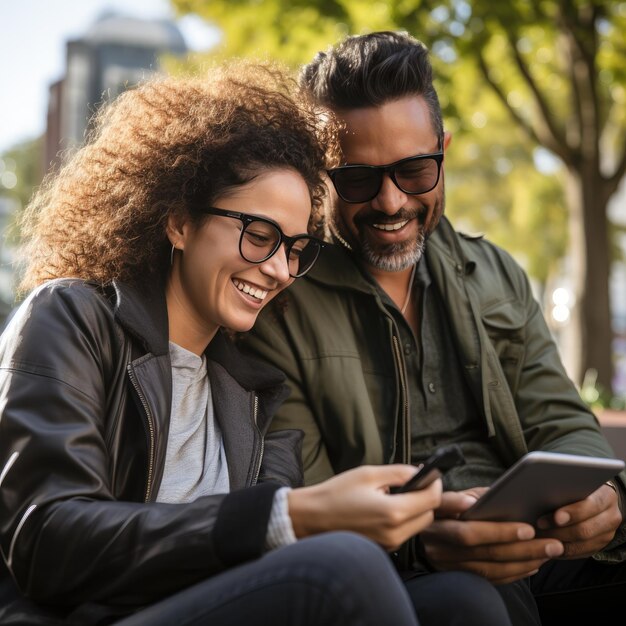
point(409, 335)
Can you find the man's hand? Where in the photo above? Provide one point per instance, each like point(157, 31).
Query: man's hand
point(584, 527)
point(501, 552)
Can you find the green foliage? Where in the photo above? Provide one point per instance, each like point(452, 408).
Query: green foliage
point(290, 31)
point(492, 183)
point(500, 67)
point(24, 161)
point(597, 397)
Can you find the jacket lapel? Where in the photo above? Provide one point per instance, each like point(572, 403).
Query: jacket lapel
point(252, 375)
point(143, 313)
point(233, 407)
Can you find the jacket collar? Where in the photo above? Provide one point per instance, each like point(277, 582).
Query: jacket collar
point(249, 372)
point(338, 267)
point(142, 311)
point(446, 244)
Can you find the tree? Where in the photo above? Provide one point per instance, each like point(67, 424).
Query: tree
point(569, 57)
point(20, 172)
point(556, 67)
point(25, 161)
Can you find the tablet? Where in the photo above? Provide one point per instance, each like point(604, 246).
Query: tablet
point(539, 483)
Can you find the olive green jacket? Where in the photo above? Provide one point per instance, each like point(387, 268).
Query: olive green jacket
point(340, 350)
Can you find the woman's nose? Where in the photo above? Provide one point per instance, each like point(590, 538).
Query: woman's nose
point(277, 266)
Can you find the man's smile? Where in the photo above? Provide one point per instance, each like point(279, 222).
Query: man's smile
point(391, 225)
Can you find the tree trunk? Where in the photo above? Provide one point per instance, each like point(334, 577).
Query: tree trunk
point(590, 250)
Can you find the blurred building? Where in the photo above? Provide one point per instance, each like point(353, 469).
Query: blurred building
point(113, 55)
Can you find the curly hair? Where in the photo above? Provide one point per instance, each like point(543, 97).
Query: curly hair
point(164, 148)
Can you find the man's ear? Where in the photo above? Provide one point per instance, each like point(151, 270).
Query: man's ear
point(177, 228)
point(447, 138)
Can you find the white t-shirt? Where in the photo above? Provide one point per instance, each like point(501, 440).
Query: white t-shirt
point(195, 462)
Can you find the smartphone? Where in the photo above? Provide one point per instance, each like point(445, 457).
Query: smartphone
point(539, 483)
point(432, 468)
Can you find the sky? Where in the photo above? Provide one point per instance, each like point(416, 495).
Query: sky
point(32, 52)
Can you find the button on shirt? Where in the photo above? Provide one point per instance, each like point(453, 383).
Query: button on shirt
point(441, 406)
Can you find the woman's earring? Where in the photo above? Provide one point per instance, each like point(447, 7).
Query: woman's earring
point(172, 255)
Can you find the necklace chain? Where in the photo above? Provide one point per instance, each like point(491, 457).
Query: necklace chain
point(339, 238)
point(409, 291)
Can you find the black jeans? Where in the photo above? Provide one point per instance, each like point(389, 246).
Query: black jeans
point(332, 579)
point(456, 599)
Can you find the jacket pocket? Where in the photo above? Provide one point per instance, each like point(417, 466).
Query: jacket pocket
point(504, 323)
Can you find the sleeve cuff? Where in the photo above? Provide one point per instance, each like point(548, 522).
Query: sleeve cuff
point(241, 525)
point(280, 529)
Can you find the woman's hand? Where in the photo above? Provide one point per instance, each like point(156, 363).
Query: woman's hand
point(359, 500)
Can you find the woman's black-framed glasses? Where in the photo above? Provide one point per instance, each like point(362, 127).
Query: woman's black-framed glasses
point(261, 238)
point(413, 175)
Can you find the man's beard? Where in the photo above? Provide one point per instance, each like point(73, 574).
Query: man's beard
point(393, 257)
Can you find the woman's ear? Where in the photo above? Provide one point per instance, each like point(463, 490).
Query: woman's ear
point(177, 228)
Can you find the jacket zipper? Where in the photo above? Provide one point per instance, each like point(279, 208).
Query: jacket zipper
point(146, 408)
point(255, 414)
point(406, 457)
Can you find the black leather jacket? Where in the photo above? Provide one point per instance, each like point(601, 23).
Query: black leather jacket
point(85, 397)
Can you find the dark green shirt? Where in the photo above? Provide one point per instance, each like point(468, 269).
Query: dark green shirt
point(441, 405)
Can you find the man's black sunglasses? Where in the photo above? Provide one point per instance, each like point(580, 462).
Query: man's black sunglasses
point(413, 175)
point(261, 237)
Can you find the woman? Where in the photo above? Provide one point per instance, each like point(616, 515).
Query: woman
point(136, 476)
